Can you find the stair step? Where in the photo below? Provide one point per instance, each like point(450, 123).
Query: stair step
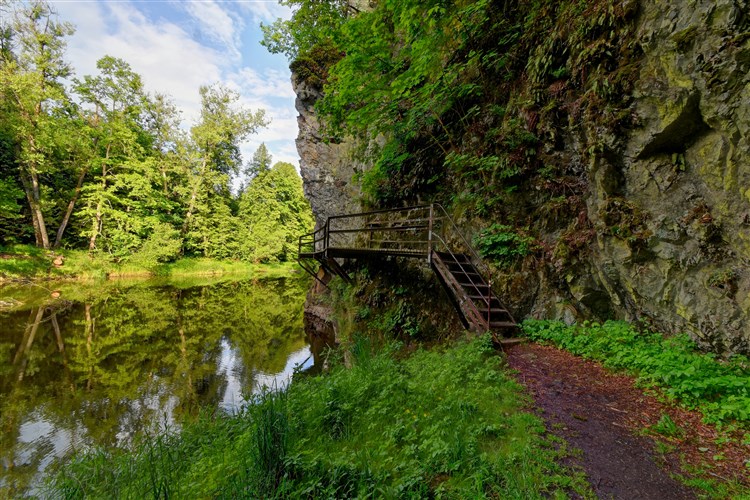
point(503, 324)
point(505, 318)
point(476, 278)
point(476, 298)
point(453, 259)
point(494, 310)
point(464, 268)
point(498, 317)
point(480, 285)
point(467, 272)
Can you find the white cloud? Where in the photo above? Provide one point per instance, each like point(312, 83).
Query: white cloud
point(175, 61)
point(265, 11)
point(279, 136)
point(272, 83)
point(167, 58)
point(217, 24)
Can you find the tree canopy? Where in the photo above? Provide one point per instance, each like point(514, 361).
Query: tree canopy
point(103, 164)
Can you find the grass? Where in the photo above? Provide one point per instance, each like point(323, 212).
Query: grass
point(446, 423)
point(719, 389)
point(26, 262)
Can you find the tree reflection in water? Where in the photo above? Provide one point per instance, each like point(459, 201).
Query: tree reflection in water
point(101, 363)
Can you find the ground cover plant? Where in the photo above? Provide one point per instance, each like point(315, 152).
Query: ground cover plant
point(25, 262)
point(720, 389)
point(447, 423)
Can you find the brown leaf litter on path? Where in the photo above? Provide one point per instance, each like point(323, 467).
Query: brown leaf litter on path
point(604, 415)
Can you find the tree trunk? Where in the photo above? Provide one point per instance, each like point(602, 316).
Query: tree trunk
point(97, 222)
point(96, 225)
point(193, 198)
point(30, 200)
point(30, 182)
point(37, 207)
point(69, 210)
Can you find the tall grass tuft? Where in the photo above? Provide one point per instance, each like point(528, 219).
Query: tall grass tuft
point(271, 438)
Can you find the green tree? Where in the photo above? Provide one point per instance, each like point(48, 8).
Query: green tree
point(275, 212)
point(36, 103)
point(116, 99)
point(313, 22)
point(211, 158)
point(260, 163)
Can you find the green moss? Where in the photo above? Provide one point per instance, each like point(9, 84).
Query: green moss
point(684, 39)
point(625, 220)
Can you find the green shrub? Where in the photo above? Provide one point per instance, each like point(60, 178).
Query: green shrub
point(503, 244)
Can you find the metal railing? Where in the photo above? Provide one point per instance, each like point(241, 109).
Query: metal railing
point(415, 231)
point(474, 258)
point(396, 230)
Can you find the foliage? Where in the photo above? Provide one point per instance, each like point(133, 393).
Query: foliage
point(720, 390)
point(24, 262)
point(461, 95)
point(311, 24)
point(667, 427)
point(104, 164)
point(275, 213)
point(312, 66)
point(9, 196)
point(385, 427)
point(260, 163)
point(503, 244)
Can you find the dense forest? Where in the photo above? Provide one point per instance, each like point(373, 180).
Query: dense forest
point(100, 163)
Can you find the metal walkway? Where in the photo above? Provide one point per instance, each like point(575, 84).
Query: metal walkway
point(425, 232)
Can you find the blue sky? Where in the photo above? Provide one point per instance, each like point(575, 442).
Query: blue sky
point(178, 45)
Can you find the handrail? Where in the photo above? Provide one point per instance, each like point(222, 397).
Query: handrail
point(309, 243)
point(476, 261)
point(381, 211)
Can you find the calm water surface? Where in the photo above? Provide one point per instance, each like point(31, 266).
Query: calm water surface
point(101, 362)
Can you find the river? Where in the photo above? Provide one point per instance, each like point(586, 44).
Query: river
point(93, 364)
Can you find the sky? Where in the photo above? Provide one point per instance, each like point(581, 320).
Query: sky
point(178, 45)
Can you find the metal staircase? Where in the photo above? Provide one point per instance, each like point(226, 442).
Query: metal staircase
point(425, 232)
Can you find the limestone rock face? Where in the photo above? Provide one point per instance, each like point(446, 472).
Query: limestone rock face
point(327, 168)
point(687, 170)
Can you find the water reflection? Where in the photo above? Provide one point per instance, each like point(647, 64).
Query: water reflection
point(99, 363)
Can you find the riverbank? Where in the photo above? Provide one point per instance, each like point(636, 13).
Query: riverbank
point(27, 263)
point(447, 422)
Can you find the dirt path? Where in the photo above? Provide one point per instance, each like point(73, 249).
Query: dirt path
point(599, 413)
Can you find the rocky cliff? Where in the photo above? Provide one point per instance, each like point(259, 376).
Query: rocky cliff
point(669, 202)
point(328, 167)
point(684, 173)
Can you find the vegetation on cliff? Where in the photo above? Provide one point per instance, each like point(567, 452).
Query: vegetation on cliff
point(476, 105)
point(466, 95)
point(604, 164)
